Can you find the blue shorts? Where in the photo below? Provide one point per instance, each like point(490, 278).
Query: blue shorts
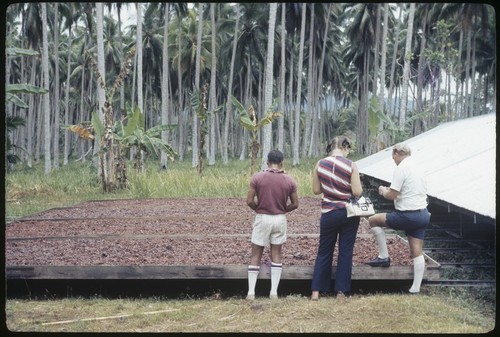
point(413, 223)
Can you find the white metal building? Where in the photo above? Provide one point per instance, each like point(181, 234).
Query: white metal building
point(459, 159)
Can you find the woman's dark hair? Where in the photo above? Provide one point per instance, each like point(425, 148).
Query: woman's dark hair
point(338, 142)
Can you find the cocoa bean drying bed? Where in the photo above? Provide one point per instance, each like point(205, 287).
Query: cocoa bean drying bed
point(202, 238)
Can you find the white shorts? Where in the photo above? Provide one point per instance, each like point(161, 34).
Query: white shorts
point(269, 229)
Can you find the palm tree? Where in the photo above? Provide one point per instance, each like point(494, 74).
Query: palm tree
point(164, 85)
point(392, 81)
point(107, 177)
point(383, 54)
point(46, 85)
point(361, 33)
point(296, 141)
point(406, 71)
point(268, 93)
point(195, 142)
point(70, 13)
point(213, 88)
point(310, 104)
point(140, 100)
point(282, 91)
point(229, 106)
point(181, 10)
point(56, 86)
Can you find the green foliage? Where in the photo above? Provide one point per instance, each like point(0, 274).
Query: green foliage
point(131, 132)
point(346, 120)
point(12, 52)
point(97, 125)
point(248, 118)
point(249, 121)
point(134, 134)
point(13, 122)
point(21, 88)
point(12, 90)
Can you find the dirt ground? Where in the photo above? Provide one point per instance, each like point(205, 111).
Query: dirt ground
point(205, 231)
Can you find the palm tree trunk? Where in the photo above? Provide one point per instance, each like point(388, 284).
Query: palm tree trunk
point(392, 107)
point(381, 97)
point(120, 43)
point(67, 134)
point(472, 108)
point(46, 82)
point(56, 87)
point(310, 106)
point(376, 51)
point(31, 116)
point(229, 106)
point(406, 70)
point(197, 84)
point(164, 86)
point(179, 81)
point(281, 119)
point(290, 97)
point(420, 72)
point(213, 96)
point(246, 99)
point(296, 160)
point(363, 146)
point(138, 41)
point(317, 139)
point(268, 83)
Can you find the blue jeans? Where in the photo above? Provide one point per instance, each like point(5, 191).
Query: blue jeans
point(335, 225)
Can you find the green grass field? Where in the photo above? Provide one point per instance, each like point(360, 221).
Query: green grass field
point(29, 190)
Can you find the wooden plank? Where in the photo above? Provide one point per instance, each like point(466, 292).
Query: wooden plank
point(204, 272)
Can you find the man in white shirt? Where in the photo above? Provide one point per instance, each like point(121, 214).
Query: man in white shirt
point(409, 191)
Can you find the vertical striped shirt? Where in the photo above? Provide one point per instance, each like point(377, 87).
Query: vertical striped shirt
point(334, 174)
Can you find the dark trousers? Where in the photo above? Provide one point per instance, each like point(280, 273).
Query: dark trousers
point(335, 225)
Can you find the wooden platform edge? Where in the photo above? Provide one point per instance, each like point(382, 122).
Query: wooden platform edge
point(360, 272)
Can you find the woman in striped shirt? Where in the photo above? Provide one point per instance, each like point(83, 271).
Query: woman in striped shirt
point(337, 178)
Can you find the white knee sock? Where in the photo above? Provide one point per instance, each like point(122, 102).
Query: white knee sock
point(253, 272)
point(275, 277)
point(418, 273)
point(379, 235)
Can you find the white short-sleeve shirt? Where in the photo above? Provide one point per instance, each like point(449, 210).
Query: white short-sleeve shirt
point(411, 185)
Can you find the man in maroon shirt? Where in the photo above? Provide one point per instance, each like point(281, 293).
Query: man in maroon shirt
point(272, 188)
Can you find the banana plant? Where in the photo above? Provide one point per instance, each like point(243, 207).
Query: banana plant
point(249, 121)
point(128, 133)
point(199, 105)
point(133, 134)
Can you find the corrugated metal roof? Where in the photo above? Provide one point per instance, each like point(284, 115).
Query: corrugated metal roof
point(458, 158)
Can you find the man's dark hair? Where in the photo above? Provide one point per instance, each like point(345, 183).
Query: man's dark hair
point(275, 157)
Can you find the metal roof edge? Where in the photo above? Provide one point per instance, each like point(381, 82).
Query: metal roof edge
point(454, 208)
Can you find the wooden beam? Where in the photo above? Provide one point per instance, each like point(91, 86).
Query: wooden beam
point(362, 272)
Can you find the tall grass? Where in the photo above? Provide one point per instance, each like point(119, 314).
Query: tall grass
point(29, 190)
